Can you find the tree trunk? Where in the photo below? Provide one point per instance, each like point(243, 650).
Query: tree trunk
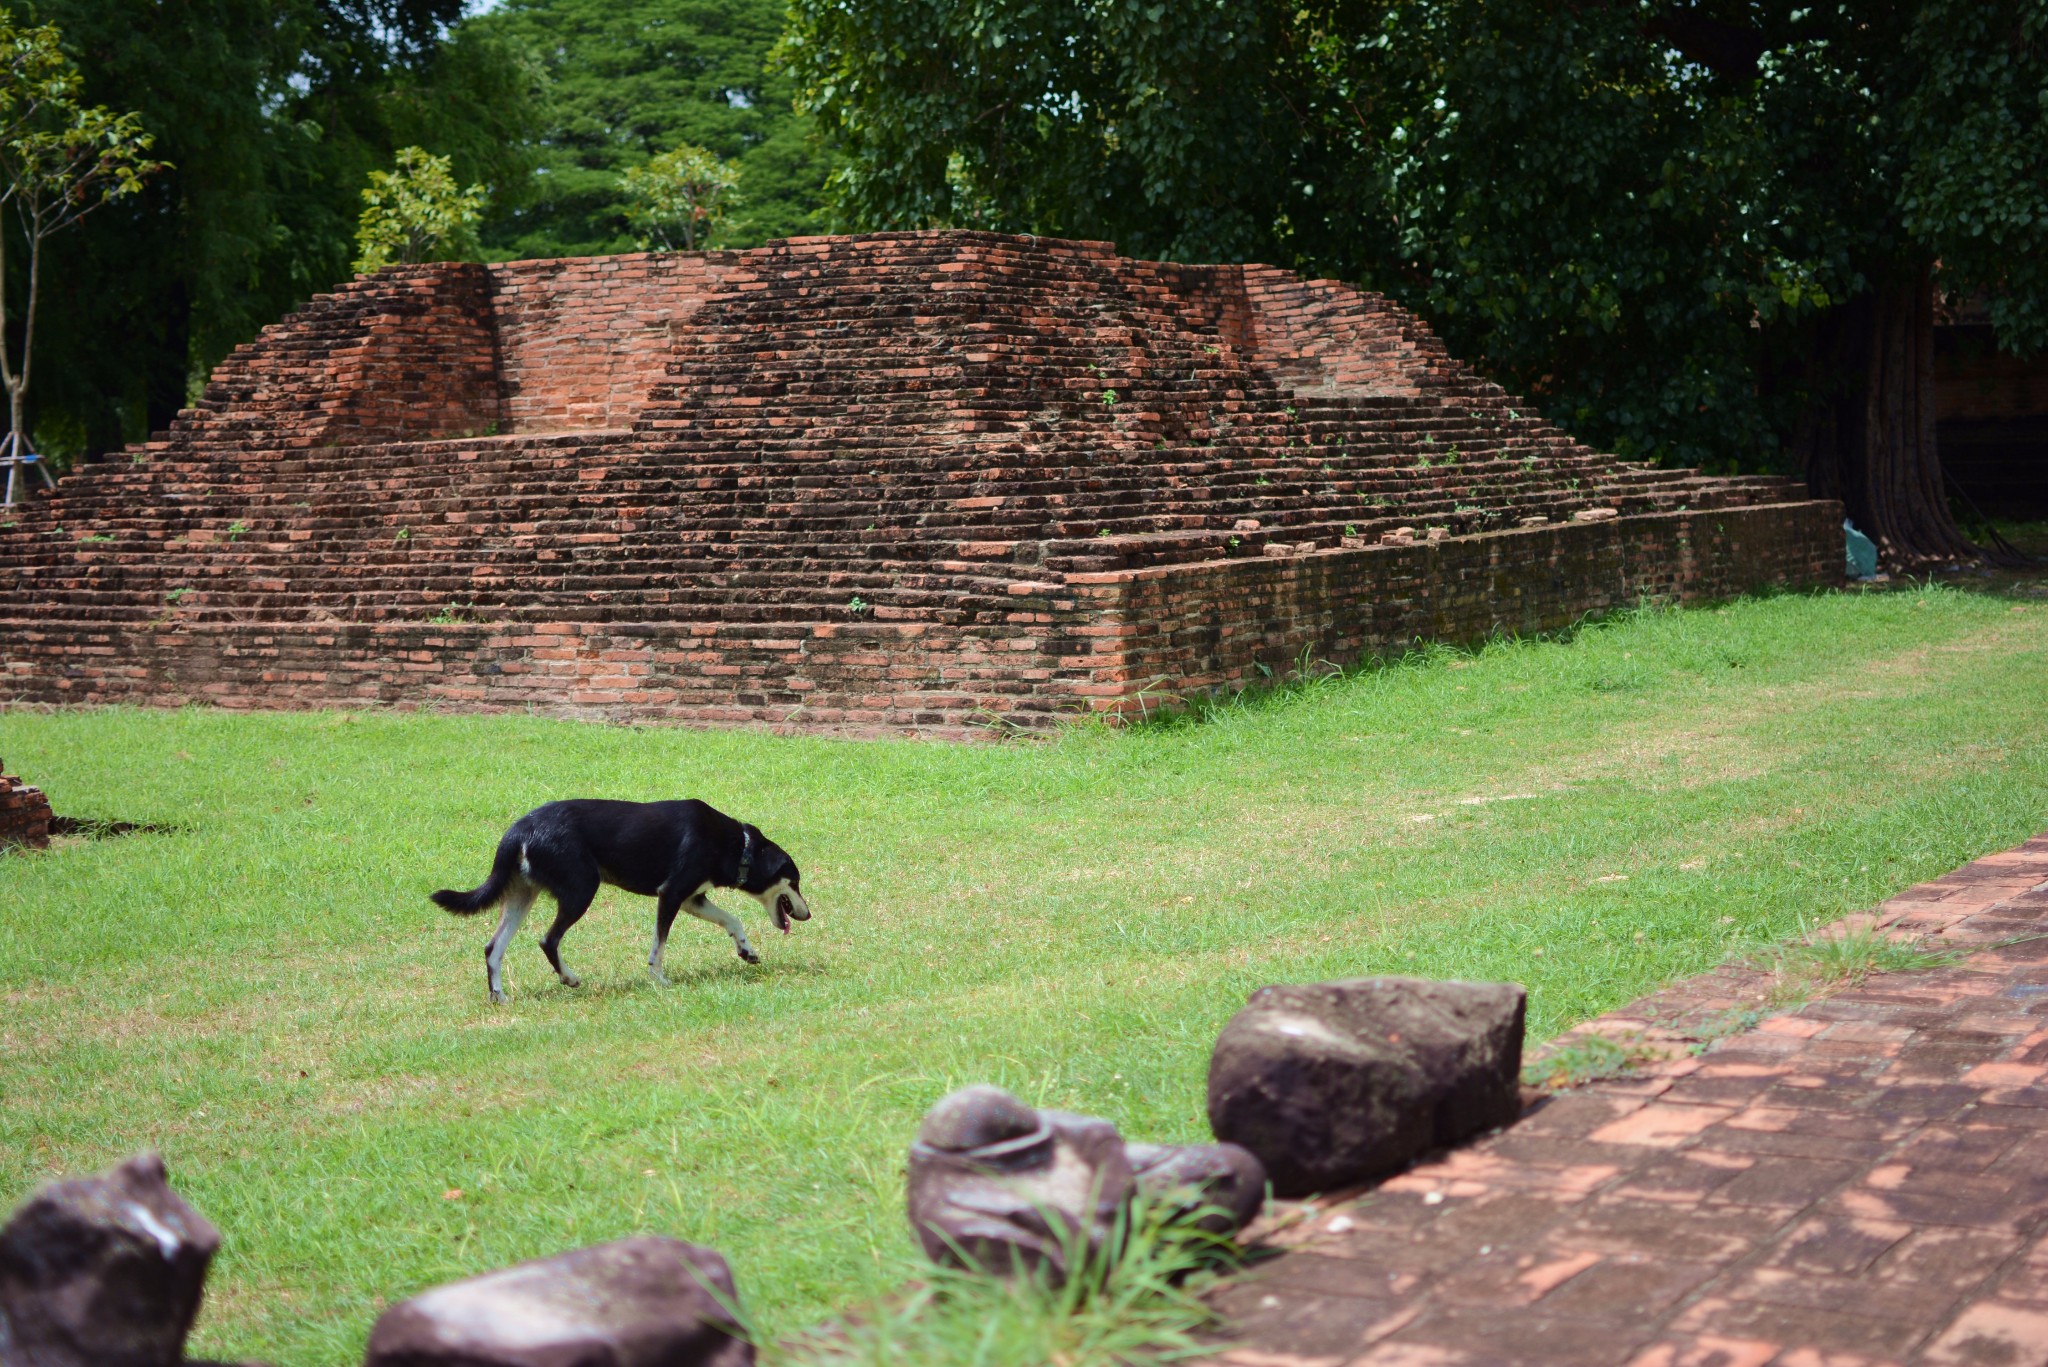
point(1868, 434)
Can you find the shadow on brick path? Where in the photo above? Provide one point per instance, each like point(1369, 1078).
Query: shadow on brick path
point(1861, 1180)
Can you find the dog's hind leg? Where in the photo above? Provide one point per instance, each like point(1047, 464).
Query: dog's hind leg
point(665, 909)
point(518, 900)
point(704, 909)
point(572, 899)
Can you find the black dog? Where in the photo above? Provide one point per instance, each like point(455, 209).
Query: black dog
point(675, 852)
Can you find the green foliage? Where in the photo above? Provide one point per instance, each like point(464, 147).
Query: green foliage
point(272, 113)
point(1637, 214)
point(60, 160)
point(416, 212)
point(679, 199)
point(1588, 1058)
point(631, 79)
point(1974, 190)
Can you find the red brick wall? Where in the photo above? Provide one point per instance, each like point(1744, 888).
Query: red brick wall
point(404, 355)
point(1323, 334)
point(1195, 628)
point(1103, 642)
point(583, 342)
point(24, 814)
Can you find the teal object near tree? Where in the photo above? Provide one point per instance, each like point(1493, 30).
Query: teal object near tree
point(1862, 552)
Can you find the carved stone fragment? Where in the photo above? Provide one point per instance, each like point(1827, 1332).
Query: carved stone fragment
point(999, 1186)
point(996, 1185)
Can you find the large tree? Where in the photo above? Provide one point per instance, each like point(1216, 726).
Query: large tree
point(630, 80)
point(273, 113)
point(1704, 232)
point(60, 162)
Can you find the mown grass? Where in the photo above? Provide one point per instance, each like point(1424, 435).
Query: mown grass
point(268, 997)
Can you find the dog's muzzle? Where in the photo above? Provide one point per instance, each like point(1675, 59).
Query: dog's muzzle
point(788, 907)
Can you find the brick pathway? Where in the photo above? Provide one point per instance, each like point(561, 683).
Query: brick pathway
point(1863, 1180)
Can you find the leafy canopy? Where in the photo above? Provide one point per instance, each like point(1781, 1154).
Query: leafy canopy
point(416, 212)
point(679, 198)
point(629, 80)
point(272, 113)
point(60, 160)
point(1635, 211)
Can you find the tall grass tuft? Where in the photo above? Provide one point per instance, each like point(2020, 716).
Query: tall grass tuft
point(1134, 1300)
point(1816, 963)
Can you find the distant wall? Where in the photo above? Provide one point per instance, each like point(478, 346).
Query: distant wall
point(1315, 334)
point(456, 349)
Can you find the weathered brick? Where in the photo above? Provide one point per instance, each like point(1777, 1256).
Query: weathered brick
point(804, 468)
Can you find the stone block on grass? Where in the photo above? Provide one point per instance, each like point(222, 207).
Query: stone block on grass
point(996, 1185)
point(103, 1271)
point(1334, 1084)
point(1221, 1185)
point(640, 1302)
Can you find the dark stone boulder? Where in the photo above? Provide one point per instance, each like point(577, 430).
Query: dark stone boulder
point(103, 1272)
point(996, 1185)
point(1332, 1084)
point(1225, 1183)
point(641, 1302)
point(999, 1186)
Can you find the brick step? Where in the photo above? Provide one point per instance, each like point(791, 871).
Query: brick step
point(1018, 517)
point(650, 475)
point(877, 601)
point(806, 443)
point(698, 511)
point(820, 538)
point(625, 566)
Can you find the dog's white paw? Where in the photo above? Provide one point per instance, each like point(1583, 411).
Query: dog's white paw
point(498, 998)
point(747, 953)
point(570, 979)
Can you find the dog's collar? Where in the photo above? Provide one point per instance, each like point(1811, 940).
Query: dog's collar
point(746, 854)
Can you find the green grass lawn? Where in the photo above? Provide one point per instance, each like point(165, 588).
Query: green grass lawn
point(268, 997)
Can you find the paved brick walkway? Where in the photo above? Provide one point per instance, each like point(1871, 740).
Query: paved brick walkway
point(1863, 1180)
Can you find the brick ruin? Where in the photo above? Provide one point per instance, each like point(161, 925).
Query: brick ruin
point(924, 481)
point(24, 814)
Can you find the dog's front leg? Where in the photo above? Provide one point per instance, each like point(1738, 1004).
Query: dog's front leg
point(704, 909)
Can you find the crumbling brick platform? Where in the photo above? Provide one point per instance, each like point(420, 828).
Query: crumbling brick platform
point(24, 815)
point(906, 481)
point(1858, 1182)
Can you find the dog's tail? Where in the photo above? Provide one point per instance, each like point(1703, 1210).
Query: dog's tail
point(471, 902)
